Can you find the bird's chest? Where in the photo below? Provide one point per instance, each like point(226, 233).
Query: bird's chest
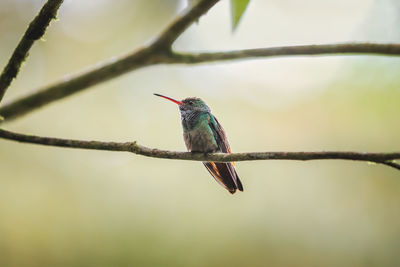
point(200, 138)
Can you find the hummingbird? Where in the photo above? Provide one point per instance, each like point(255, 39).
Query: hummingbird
point(203, 133)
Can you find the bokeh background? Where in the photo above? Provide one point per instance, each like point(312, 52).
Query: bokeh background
point(65, 207)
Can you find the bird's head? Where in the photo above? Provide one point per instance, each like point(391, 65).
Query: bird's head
point(190, 104)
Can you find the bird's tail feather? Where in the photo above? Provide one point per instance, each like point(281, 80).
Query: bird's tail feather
point(225, 175)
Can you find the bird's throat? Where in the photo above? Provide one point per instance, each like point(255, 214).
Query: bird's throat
point(190, 119)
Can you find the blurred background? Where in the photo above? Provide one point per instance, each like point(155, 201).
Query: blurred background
point(65, 207)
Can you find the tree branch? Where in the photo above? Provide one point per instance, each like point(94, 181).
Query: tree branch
point(79, 82)
point(300, 50)
point(155, 53)
point(392, 164)
point(380, 158)
point(34, 32)
point(168, 37)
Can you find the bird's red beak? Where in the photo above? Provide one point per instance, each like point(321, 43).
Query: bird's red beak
point(170, 99)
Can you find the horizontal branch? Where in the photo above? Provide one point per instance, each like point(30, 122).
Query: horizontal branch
point(299, 50)
point(380, 158)
point(34, 32)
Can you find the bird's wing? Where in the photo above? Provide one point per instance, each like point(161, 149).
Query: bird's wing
point(219, 134)
point(224, 173)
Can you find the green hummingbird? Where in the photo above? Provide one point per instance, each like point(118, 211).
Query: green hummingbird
point(203, 133)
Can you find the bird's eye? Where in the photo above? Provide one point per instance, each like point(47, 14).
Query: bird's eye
point(191, 103)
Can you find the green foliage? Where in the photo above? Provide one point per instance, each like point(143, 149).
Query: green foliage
point(237, 9)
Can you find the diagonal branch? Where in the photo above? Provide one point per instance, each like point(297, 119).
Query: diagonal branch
point(155, 53)
point(173, 31)
point(79, 82)
point(392, 164)
point(34, 32)
point(380, 158)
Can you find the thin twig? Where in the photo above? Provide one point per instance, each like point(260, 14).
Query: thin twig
point(35, 31)
point(392, 164)
point(380, 158)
